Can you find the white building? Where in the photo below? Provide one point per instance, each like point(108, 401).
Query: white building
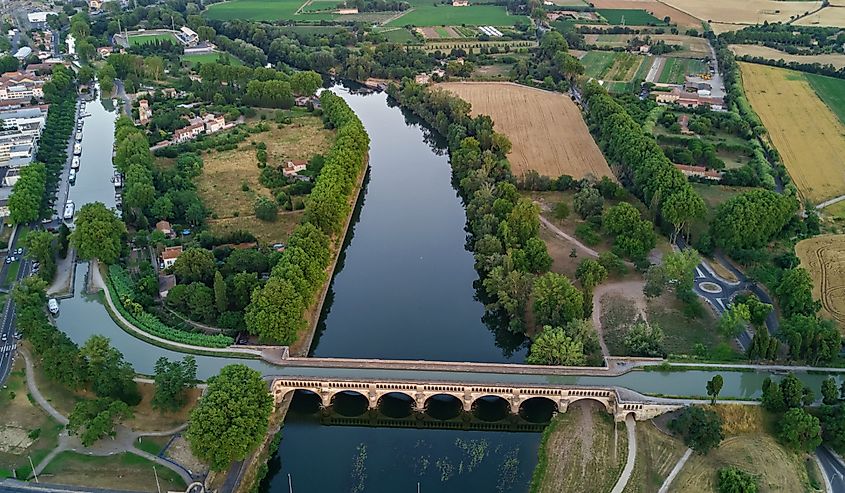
point(38, 19)
point(23, 53)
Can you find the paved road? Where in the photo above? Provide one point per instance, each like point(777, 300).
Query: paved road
point(675, 470)
point(120, 89)
point(631, 460)
point(833, 468)
point(8, 342)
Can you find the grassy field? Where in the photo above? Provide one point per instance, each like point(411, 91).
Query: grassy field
point(625, 67)
point(25, 430)
point(225, 173)
point(425, 14)
point(140, 39)
point(675, 69)
point(148, 419)
point(583, 453)
point(808, 135)
point(835, 59)
point(831, 91)
point(657, 454)
point(681, 334)
point(398, 35)
point(597, 63)
point(262, 10)
point(777, 468)
point(122, 472)
point(629, 17)
point(211, 58)
point(824, 258)
point(546, 130)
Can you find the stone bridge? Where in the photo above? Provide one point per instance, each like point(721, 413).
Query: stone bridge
point(618, 402)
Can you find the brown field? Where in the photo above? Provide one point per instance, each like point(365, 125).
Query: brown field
point(657, 454)
point(148, 419)
point(119, 472)
point(655, 8)
point(824, 257)
point(809, 137)
point(727, 16)
point(545, 128)
point(584, 453)
point(431, 32)
point(224, 173)
point(828, 16)
point(835, 59)
point(759, 454)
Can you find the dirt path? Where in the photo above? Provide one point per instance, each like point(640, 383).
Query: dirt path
point(631, 426)
point(558, 232)
point(675, 470)
point(632, 290)
point(36, 394)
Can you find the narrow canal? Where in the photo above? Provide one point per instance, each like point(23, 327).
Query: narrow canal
point(404, 290)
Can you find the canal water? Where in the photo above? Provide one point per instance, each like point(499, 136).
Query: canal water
point(93, 179)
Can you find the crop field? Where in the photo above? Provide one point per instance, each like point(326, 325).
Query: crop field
point(597, 63)
point(806, 133)
point(629, 17)
point(657, 9)
point(545, 128)
point(675, 69)
point(626, 67)
point(142, 39)
point(441, 32)
point(426, 14)
point(777, 468)
point(828, 16)
point(730, 16)
point(824, 258)
point(398, 35)
point(832, 92)
point(255, 10)
point(835, 59)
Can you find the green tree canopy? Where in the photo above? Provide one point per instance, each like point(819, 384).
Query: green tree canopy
point(700, 429)
point(554, 347)
point(172, 381)
point(800, 430)
point(735, 480)
point(556, 300)
point(751, 219)
point(98, 234)
point(195, 265)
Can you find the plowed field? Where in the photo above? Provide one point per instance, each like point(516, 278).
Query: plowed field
point(824, 257)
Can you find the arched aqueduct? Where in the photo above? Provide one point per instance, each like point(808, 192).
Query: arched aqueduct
point(562, 396)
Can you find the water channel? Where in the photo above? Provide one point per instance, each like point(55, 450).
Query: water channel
point(404, 289)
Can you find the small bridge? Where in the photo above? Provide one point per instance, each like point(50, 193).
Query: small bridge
point(618, 402)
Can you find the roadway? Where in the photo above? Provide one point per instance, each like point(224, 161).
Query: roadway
point(833, 468)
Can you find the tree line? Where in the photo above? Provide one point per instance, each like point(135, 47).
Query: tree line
point(276, 312)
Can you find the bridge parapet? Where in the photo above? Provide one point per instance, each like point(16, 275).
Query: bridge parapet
point(561, 395)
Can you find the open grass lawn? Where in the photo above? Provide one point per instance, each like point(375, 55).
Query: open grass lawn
point(831, 91)
point(211, 58)
point(148, 419)
point(625, 67)
point(152, 445)
point(140, 39)
point(121, 472)
point(657, 454)
point(675, 69)
point(399, 35)
point(430, 14)
point(681, 334)
point(254, 10)
point(583, 453)
point(25, 429)
point(597, 63)
point(225, 173)
point(760, 454)
point(629, 17)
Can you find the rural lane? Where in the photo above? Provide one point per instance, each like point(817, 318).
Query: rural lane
point(631, 426)
point(675, 470)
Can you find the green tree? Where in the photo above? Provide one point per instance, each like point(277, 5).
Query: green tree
point(98, 234)
point(232, 417)
point(509, 289)
point(556, 300)
point(681, 208)
point(811, 339)
point(27, 193)
point(111, 376)
point(41, 248)
point(93, 419)
point(735, 480)
point(275, 312)
point(832, 419)
point(554, 347)
point(830, 392)
point(800, 430)
point(172, 381)
point(266, 209)
point(792, 390)
point(590, 273)
point(714, 386)
point(751, 219)
point(221, 299)
point(643, 339)
point(700, 429)
point(195, 265)
point(772, 396)
point(588, 202)
point(795, 293)
point(734, 319)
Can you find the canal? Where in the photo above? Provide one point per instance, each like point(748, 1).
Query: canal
point(404, 289)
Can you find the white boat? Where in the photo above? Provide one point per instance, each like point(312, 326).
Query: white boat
point(74, 163)
point(53, 306)
point(79, 136)
point(77, 149)
point(69, 208)
point(72, 176)
point(118, 180)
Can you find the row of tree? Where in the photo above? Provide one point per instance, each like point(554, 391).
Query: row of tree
point(276, 311)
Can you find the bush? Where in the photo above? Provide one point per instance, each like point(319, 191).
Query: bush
point(561, 211)
point(587, 234)
point(266, 209)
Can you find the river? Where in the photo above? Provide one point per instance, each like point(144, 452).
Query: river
point(404, 289)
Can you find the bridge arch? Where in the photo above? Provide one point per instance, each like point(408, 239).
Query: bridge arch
point(538, 409)
point(491, 407)
point(397, 404)
point(443, 406)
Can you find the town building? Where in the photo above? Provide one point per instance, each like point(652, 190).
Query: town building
point(169, 255)
point(460, 3)
point(690, 99)
point(292, 168)
point(144, 111)
point(95, 5)
point(188, 133)
point(166, 229)
point(187, 36)
point(699, 172)
point(38, 20)
point(23, 53)
point(104, 51)
point(21, 85)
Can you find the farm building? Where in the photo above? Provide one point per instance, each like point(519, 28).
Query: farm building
point(689, 99)
point(460, 3)
point(144, 111)
point(170, 254)
point(293, 167)
point(699, 172)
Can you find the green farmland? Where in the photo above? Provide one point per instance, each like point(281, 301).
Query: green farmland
point(629, 17)
point(597, 63)
point(261, 10)
point(675, 69)
point(831, 91)
point(142, 39)
point(427, 14)
point(616, 66)
point(212, 58)
point(398, 35)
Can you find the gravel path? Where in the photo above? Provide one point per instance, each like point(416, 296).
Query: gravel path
point(631, 426)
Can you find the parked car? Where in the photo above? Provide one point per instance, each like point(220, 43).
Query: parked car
point(19, 251)
point(10, 259)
